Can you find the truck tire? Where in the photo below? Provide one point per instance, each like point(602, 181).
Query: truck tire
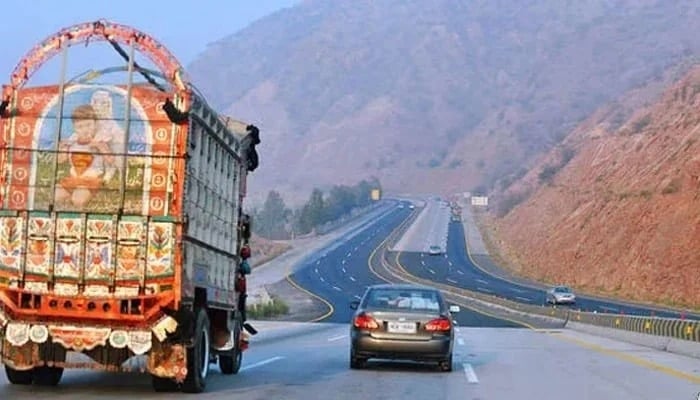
point(17, 377)
point(230, 363)
point(47, 376)
point(198, 356)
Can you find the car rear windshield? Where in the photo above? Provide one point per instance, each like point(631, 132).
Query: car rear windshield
point(562, 290)
point(403, 300)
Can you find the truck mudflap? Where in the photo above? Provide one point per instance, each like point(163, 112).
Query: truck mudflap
point(24, 346)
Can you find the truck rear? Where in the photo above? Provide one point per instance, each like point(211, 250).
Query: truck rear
point(121, 224)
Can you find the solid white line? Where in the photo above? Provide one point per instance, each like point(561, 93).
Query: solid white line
point(517, 290)
point(460, 341)
point(523, 298)
point(469, 372)
point(451, 280)
point(483, 290)
point(352, 279)
point(337, 288)
point(482, 281)
point(261, 363)
point(334, 338)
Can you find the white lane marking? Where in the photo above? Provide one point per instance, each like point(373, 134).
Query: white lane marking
point(337, 288)
point(451, 281)
point(457, 330)
point(431, 271)
point(344, 270)
point(449, 263)
point(483, 282)
point(352, 279)
point(261, 363)
point(342, 262)
point(469, 372)
point(609, 308)
point(334, 338)
point(322, 280)
point(316, 269)
point(358, 297)
point(422, 263)
point(483, 290)
point(460, 272)
point(460, 341)
point(348, 254)
point(355, 248)
point(523, 298)
point(517, 290)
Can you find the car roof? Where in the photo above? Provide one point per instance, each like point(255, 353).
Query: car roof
point(399, 286)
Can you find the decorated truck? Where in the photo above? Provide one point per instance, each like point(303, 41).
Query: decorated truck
point(122, 234)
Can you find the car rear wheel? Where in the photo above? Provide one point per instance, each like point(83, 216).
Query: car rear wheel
point(357, 362)
point(446, 365)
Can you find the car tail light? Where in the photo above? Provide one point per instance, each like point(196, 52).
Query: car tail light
point(364, 321)
point(439, 325)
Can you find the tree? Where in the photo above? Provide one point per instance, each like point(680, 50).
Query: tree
point(272, 218)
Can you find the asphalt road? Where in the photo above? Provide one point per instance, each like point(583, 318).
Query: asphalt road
point(457, 269)
point(310, 361)
point(342, 274)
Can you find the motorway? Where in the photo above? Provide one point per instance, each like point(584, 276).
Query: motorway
point(310, 360)
point(341, 275)
point(456, 268)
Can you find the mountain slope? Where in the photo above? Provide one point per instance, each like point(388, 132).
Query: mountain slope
point(623, 215)
point(437, 96)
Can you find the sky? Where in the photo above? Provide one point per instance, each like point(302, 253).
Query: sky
point(184, 27)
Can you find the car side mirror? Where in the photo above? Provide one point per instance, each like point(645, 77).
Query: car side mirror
point(354, 304)
point(454, 309)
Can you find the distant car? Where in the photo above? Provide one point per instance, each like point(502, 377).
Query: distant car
point(402, 322)
point(434, 250)
point(411, 206)
point(560, 295)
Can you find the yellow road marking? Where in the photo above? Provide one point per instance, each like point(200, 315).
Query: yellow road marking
point(331, 309)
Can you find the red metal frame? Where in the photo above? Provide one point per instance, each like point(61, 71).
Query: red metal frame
point(97, 31)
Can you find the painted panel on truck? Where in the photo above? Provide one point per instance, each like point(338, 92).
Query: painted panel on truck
point(81, 169)
point(77, 163)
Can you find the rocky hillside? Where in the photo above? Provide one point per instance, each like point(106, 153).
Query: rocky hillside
point(615, 209)
point(433, 96)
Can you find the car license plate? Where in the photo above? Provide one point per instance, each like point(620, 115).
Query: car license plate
point(401, 327)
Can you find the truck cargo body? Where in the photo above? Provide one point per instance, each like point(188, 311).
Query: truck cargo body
point(119, 231)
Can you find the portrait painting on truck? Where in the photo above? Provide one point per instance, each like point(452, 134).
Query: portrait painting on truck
point(97, 157)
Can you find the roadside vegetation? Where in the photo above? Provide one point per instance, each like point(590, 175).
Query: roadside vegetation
point(273, 308)
point(276, 221)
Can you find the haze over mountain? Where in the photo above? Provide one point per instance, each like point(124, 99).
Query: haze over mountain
point(438, 96)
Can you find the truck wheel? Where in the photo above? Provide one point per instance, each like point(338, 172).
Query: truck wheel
point(230, 363)
point(47, 376)
point(163, 384)
point(198, 356)
point(17, 377)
